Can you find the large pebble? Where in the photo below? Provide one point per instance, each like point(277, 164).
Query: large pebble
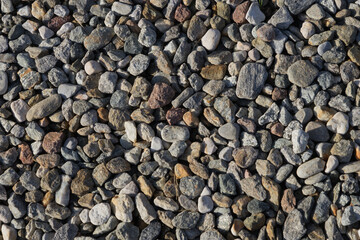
point(175, 133)
point(44, 108)
point(310, 168)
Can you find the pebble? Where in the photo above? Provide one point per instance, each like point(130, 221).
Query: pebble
point(331, 164)
point(44, 108)
point(299, 140)
point(339, 123)
point(294, 226)
point(211, 39)
point(175, 133)
point(254, 15)
point(3, 82)
point(19, 109)
point(138, 64)
point(310, 168)
point(251, 80)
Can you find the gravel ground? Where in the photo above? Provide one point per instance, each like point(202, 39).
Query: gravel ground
point(179, 119)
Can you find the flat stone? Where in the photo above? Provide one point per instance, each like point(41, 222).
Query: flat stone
point(297, 7)
point(251, 81)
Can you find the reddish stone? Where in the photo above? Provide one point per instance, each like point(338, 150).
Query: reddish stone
point(26, 156)
point(52, 142)
point(240, 12)
point(161, 95)
point(279, 94)
point(277, 129)
point(288, 201)
point(182, 13)
point(247, 124)
point(175, 115)
point(56, 22)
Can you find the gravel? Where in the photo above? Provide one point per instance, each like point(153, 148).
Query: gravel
point(179, 119)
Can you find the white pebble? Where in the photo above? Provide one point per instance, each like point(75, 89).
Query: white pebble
point(211, 39)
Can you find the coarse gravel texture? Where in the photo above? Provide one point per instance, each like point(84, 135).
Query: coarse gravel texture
point(179, 119)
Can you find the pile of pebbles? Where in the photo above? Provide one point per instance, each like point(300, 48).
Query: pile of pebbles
point(170, 119)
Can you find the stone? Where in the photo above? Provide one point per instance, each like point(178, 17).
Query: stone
point(196, 29)
point(186, 220)
point(254, 15)
point(255, 222)
point(121, 8)
point(331, 164)
point(5, 214)
point(294, 226)
point(299, 140)
point(175, 133)
point(302, 73)
point(310, 168)
point(52, 142)
point(191, 186)
point(321, 212)
point(161, 95)
point(182, 13)
point(127, 231)
point(213, 72)
point(211, 39)
point(251, 81)
point(282, 18)
point(82, 183)
point(44, 108)
point(19, 109)
point(205, 204)
point(66, 231)
point(350, 215)
point(145, 209)
point(230, 131)
point(3, 82)
point(240, 12)
point(100, 213)
point(107, 82)
point(98, 38)
point(317, 131)
point(8, 232)
point(253, 188)
point(296, 7)
point(245, 156)
point(138, 64)
point(339, 123)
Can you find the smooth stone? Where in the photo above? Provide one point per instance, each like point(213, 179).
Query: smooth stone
point(44, 108)
point(310, 168)
point(211, 39)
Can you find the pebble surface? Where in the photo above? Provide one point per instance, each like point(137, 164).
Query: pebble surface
point(179, 119)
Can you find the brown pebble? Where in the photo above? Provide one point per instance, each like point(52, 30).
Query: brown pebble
point(277, 129)
point(191, 119)
point(182, 13)
point(288, 201)
point(240, 12)
point(52, 142)
point(26, 156)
